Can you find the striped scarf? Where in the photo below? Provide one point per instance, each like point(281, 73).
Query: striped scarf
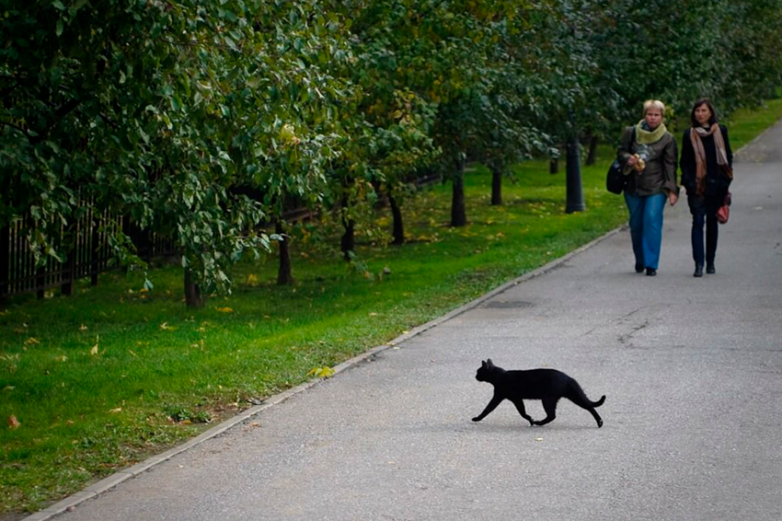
point(700, 155)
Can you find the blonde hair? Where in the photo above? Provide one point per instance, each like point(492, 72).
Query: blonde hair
point(654, 104)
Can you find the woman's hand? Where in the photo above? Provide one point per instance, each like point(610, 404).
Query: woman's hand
point(672, 198)
point(632, 160)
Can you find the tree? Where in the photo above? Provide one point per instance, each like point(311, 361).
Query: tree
point(156, 111)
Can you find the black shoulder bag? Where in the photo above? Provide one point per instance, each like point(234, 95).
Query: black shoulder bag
point(616, 180)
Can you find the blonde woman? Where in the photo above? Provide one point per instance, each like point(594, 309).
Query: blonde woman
point(649, 154)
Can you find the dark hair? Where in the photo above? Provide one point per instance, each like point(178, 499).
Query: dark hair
point(703, 101)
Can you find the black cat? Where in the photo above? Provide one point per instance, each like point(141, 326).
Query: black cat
point(548, 385)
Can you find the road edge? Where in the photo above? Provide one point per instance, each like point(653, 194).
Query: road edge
point(106, 484)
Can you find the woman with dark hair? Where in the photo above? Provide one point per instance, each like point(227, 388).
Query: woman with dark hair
point(648, 153)
point(707, 171)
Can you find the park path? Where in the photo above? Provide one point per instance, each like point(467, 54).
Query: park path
point(693, 420)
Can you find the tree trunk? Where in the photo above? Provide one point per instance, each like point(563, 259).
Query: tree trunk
point(496, 185)
point(553, 166)
point(5, 262)
point(458, 210)
point(592, 156)
point(399, 227)
point(349, 237)
point(193, 297)
point(284, 273)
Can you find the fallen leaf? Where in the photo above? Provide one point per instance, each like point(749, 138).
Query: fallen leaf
point(62, 358)
point(31, 341)
point(132, 353)
point(114, 411)
point(321, 372)
point(94, 350)
point(13, 423)
point(538, 439)
point(165, 327)
point(83, 328)
point(225, 310)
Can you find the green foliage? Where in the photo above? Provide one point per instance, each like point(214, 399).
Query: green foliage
point(156, 111)
point(200, 120)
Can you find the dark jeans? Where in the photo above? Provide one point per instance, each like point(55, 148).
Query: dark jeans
point(704, 211)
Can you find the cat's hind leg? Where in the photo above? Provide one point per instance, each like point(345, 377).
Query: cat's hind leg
point(520, 407)
point(550, 406)
point(579, 398)
point(596, 416)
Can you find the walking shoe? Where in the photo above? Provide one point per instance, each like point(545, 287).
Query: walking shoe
point(651, 272)
point(639, 268)
point(698, 271)
point(710, 269)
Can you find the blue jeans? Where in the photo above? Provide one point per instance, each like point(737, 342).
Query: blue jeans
point(646, 227)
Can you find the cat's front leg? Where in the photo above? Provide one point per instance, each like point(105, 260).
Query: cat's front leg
point(520, 407)
point(495, 401)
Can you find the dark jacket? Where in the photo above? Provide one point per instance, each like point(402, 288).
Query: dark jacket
point(717, 182)
point(659, 176)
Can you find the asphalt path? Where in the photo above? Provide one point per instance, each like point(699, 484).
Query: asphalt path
point(692, 370)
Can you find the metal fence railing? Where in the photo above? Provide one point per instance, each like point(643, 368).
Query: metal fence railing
point(87, 253)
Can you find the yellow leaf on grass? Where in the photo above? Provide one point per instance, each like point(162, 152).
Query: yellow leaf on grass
point(13, 422)
point(94, 350)
point(83, 328)
point(115, 411)
point(62, 358)
point(165, 327)
point(321, 372)
point(31, 341)
point(225, 310)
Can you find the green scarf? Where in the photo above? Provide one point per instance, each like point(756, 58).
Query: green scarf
point(644, 137)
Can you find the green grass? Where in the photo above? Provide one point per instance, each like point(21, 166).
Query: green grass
point(744, 125)
point(107, 377)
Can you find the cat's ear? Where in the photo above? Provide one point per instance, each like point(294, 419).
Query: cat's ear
point(484, 365)
point(489, 363)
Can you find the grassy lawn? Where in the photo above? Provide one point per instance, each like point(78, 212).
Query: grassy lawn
point(103, 379)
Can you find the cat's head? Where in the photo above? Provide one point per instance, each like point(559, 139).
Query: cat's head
point(484, 371)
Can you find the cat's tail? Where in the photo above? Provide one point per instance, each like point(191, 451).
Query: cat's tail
point(577, 395)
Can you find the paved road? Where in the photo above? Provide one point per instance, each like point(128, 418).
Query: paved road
point(693, 420)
